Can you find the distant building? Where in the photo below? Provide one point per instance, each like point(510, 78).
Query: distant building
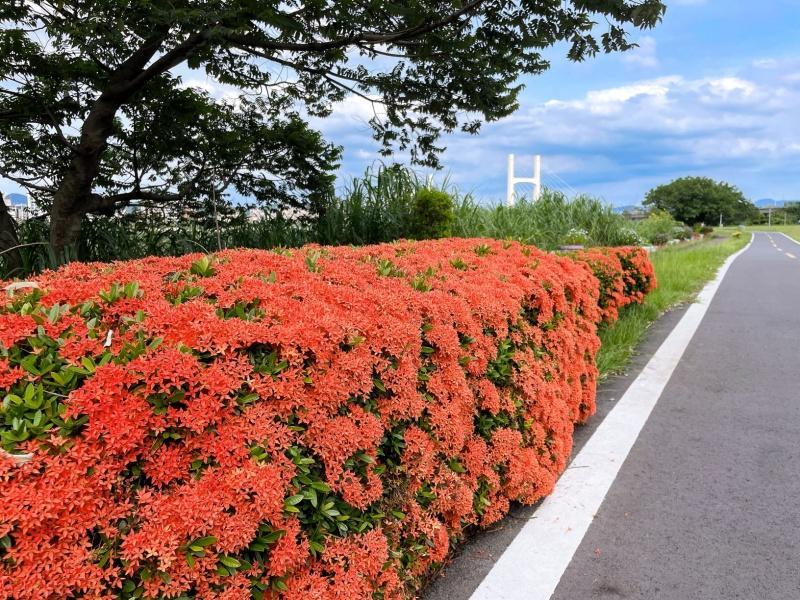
point(766, 209)
point(20, 207)
point(636, 214)
point(773, 211)
point(255, 214)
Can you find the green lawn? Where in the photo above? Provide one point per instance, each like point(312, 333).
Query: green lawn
point(682, 271)
point(790, 230)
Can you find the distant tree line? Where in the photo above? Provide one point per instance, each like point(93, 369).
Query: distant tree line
point(694, 200)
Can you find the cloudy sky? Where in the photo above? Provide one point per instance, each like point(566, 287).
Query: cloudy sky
point(714, 90)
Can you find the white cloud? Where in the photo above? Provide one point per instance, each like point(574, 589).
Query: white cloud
point(613, 100)
point(199, 84)
point(645, 55)
point(727, 87)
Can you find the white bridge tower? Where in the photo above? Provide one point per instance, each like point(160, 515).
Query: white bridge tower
point(536, 180)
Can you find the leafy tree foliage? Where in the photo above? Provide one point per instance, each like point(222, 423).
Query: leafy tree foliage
point(792, 212)
point(701, 200)
point(95, 117)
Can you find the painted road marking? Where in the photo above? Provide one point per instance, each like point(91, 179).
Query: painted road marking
point(790, 255)
point(790, 238)
point(532, 565)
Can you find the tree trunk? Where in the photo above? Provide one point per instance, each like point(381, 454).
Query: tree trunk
point(74, 198)
point(71, 200)
point(75, 189)
point(65, 230)
point(9, 241)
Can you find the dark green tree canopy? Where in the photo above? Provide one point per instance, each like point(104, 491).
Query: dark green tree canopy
point(701, 200)
point(95, 117)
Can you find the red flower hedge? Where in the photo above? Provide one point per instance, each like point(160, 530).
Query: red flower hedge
point(310, 424)
point(625, 275)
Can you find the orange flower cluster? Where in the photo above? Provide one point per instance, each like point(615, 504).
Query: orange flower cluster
point(318, 423)
point(625, 274)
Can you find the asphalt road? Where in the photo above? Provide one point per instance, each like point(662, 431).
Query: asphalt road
point(707, 504)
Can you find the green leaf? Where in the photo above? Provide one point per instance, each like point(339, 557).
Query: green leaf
point(297, 498)
point(229, 561)
point(321, 486)
point(205, 541)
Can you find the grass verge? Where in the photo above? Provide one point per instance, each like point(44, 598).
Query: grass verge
point(790, 230)
point(682, 271)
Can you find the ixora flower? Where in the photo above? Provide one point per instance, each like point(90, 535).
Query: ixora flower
point(321, 422)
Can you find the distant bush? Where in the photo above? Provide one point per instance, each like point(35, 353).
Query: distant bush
point(629, 237)
point(432, 215)
point(658, 228)
point(576, 237)
point(682, 233)
point(659, 239)
point(703, 229)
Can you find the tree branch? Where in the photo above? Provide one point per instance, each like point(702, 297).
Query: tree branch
point(364, 37)
point(26, 182)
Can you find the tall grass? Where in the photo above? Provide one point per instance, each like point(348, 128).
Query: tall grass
point(376, 207)
point(546, 223)
point(371, 209)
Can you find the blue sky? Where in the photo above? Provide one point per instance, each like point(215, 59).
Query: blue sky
point(714, 91)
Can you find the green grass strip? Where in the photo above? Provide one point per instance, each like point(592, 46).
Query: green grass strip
point(790, 230)
point(682, 271)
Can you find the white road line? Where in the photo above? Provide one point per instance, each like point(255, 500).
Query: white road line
point(532, 565)
point(790, 238)
point(790, 255)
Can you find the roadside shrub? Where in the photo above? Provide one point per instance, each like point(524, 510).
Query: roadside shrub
point(432, 215)
point(629, 237)
point(625, 275)
point(658, 228)
point(577, 237)
point(660, 239)
point(313, 423)
point(703, 229)
point(682, 233)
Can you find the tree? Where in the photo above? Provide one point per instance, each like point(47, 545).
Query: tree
point(701, 200)
point(792, 211)
point(85, 84)
point(9, 241)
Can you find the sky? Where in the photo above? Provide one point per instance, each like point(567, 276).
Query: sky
point(713, 91)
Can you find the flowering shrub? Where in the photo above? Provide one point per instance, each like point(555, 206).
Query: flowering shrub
point(625, 275)
point(310, 424)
